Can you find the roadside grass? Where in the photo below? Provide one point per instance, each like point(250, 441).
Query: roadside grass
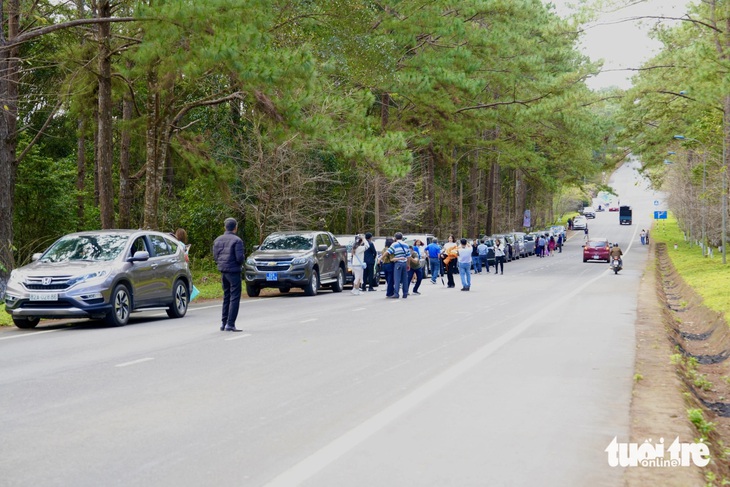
point(206, 278)
point(5, 319)
point(707, 276)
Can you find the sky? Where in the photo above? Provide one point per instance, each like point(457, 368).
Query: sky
point(621, 45)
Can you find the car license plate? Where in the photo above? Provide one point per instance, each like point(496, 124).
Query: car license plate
point(272, 276)
point(44, 297)
point(596, 257)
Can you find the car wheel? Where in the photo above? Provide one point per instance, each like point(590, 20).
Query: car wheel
point(252, 291)
point(121, 306)
point(311, 288)
point(180, 300)
point(284, 290)
point(339, 283)
point(26, 323)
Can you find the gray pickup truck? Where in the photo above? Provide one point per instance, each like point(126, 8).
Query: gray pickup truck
point(307, 260)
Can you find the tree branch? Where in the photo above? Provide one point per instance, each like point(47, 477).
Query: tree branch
point(500, 103)
point(41, 31)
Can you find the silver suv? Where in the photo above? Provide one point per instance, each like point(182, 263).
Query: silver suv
point(104, 274)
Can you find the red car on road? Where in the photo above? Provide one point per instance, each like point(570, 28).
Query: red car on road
point(596, 249)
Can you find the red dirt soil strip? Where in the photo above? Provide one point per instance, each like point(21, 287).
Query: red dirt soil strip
point(669, 311)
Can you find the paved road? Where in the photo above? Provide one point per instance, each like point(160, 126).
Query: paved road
point(522, 381)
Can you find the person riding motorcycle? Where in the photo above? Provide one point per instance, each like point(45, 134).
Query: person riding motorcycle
point(616, 253)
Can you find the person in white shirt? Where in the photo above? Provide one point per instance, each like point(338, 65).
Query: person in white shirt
point(358, 262)
point(499, 256)
point(465, 252)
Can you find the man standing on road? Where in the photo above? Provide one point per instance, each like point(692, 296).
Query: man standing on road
point(370, 255)
point(434, 250)
point(400, 252)
point(228, 255)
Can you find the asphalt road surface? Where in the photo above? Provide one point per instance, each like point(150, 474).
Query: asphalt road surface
point(524, 380)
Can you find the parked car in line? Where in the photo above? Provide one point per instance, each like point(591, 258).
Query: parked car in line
point(426, 239)
point(518, 243)
point(597, 249)
point(379, 243)
point(347, 241)
point(558, 230)
point(589, 212)
point(105, 274)
point(613, 206)
point(306, 260)
point(528, 243)
point(508, 242)
point(580, 223)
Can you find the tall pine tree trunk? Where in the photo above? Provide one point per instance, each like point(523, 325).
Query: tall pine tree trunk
point(8, 139)
point(104, 149)
point(125, 185)
point(156, 152)
point(80, 170)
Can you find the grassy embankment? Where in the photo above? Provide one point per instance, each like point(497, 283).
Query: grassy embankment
point(709, 278)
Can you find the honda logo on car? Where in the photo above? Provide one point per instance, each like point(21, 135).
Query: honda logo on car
point(47, 281)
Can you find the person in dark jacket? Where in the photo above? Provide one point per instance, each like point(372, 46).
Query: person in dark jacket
point(228, 255)
point(370, 256)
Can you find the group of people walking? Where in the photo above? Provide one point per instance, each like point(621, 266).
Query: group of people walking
point(404, 264)
point(546, 246)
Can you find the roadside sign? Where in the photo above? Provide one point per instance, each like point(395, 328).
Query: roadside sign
point(660, 215)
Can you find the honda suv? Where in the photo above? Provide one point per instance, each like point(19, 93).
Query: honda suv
point(104, 274)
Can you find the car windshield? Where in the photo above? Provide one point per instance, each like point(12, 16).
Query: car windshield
point(596, 244)
point(287, 242)
point(86, 247)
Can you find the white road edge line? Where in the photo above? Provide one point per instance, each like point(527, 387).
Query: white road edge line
point(29, 334)
point(322, 458)
point(238, 337)
point(135, 362)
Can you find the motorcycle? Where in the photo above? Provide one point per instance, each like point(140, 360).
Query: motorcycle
point(616, 265)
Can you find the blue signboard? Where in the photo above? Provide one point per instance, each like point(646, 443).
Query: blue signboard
point(660, 215)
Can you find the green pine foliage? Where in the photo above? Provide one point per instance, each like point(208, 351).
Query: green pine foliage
point(313, 114)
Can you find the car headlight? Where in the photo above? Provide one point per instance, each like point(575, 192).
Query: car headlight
point(14, 278)
point(300, 260)
point(251, 262)
point(86, 277)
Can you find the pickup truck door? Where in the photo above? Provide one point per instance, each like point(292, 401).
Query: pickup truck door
point(326, 257)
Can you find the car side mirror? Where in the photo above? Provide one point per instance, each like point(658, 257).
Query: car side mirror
point(139, 256)
point(255, 247)
point(322, 248)
point(36, 256)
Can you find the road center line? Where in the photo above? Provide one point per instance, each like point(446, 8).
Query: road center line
point(135, 362)
point(322, 458)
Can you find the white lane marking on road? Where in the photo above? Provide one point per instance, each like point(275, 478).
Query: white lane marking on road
point(238, 337)
point(359, 309)
point(322, 458)
point(135, 362)
point(309, 320)
point(28, 334)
